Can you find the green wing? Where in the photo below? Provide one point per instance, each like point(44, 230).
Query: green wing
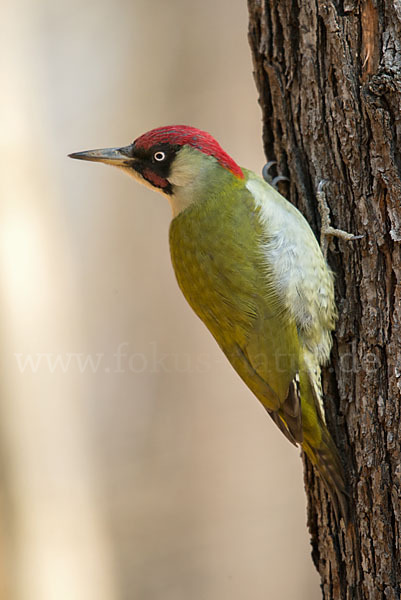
point(222, 273)
point(217, 253)
point(268, 362)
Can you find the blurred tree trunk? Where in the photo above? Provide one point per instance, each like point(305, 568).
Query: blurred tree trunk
point(329, 80)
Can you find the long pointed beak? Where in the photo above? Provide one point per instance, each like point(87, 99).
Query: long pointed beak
point(119, 157)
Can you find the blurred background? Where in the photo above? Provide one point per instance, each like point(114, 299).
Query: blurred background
point(134, 463)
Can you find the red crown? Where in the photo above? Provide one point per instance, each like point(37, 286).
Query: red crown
point(182, 135)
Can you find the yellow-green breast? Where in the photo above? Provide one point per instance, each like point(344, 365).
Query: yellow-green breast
point(216, 254)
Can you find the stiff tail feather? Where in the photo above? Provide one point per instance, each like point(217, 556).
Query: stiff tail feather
point(319, 445)
point(301, 419)
point(326, 459)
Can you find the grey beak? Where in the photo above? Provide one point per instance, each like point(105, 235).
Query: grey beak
point(120, 157)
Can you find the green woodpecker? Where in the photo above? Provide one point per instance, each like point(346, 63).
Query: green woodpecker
point(249, 265)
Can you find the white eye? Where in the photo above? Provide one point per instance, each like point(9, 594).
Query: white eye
point(159, 156)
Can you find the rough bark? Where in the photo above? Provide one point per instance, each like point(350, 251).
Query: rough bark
point(329, 80)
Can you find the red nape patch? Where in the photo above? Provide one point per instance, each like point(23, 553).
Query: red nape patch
point(182, 135)
point(155, 179)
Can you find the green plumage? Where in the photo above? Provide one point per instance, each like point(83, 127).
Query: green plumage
point(252, 270)
point(216, 253)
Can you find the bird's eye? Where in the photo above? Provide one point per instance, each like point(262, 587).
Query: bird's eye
point(159, 156)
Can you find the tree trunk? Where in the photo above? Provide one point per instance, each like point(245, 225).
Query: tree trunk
point(329, 79)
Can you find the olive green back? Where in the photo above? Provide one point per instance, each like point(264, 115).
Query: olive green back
point(216, 250)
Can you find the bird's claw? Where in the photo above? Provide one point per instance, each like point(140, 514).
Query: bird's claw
point(265, 171)
point(327, 230)
point(277, 179)
point(322, 185)
point(273, 181)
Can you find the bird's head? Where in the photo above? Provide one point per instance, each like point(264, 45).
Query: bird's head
point(168, 159)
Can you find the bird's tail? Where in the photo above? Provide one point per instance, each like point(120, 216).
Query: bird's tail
point(320, 447)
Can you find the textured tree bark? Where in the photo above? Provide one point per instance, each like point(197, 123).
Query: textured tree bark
point(329, 80)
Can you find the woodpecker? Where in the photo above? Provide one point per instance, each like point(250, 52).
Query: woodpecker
point(251, 268)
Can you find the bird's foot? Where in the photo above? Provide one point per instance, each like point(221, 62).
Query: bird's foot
point(327, 231)
point(273, 181)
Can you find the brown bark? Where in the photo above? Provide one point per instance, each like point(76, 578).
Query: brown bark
point(329, 80)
